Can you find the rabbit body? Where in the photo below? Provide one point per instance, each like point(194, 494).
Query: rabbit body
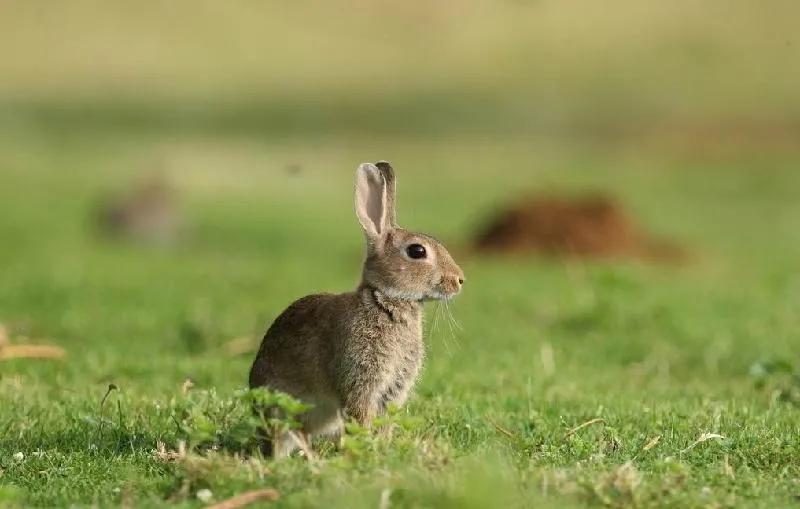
point(359, 352)
point(353, 354)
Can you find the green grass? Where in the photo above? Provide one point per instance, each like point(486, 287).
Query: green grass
point(654, 351)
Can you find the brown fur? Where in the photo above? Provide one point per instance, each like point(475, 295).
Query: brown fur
point(350, 355)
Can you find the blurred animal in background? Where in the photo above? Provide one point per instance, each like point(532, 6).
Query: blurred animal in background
point(148, 212)
point(352, 355)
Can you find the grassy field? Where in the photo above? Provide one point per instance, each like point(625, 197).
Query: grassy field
point(563, 383)
point(659, 353)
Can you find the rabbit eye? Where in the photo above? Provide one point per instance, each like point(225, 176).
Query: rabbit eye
point(416, 251)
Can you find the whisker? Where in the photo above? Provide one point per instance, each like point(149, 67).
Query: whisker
point(445, 340)
point(436, 317)
point(450, 321)
point(452, 316)
point(447, 315)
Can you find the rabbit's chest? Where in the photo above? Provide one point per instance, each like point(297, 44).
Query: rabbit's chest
point(403, 362)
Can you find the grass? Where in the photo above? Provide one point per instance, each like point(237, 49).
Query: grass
point(662, 354)
point(567, 384)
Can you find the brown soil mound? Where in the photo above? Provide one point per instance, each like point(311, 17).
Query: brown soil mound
point(594, 226)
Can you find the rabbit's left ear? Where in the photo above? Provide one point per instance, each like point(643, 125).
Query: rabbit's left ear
point(372, 201)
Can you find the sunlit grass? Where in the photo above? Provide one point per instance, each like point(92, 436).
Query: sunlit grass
point(580, 383)
point(653, 351)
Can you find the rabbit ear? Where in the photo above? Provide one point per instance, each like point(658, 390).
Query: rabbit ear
point(391, 191)
point(372, 201)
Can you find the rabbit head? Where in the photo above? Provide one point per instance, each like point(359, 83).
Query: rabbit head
point(399, 263)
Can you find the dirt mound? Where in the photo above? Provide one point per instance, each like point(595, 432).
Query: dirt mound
point(587, 227)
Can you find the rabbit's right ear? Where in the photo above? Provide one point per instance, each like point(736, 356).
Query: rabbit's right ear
point(391, 191)
point(372, 201)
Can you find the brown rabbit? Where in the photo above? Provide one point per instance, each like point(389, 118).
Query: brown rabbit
point(352, 354)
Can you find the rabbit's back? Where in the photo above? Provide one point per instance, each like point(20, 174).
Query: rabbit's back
point(296, 353)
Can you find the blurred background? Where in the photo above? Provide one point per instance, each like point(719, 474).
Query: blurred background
point(619, 180)
point(173, 174)
point(481, 68)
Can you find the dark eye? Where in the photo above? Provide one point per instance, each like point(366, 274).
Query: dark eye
point(416, 251)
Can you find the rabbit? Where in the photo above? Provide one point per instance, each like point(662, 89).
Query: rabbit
point(350, 355)
point(149, 213)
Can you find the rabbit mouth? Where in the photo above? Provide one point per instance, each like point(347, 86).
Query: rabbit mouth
point(447, 288)
point(441, 295)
